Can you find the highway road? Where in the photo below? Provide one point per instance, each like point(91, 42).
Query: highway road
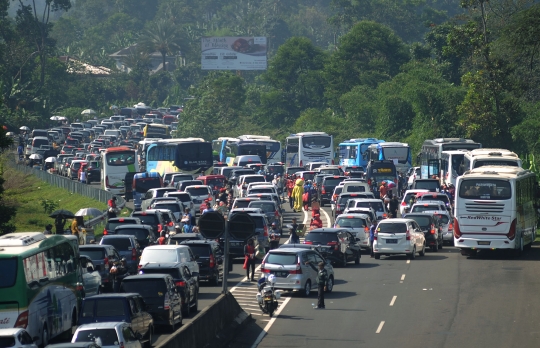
point(440, 300)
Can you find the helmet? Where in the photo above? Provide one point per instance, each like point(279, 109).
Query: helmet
point(271, 279)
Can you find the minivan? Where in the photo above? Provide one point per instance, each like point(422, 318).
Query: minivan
point(142, 182)
point(171, 253)
point(245, 160)
point(35, 143)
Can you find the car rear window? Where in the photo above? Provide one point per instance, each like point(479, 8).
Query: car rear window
point(251, 179)
point(258, 221)
point(179, 238)
point(120, 244)
point(159, 255)
point(201, 250)
point(197, 191)
point(432, 197)
point(106, 307)
point(308, 176)
point(182, 197)
point(173, 272)
point(265, 207)
point(93, 254)
point(261, 190)
point(330, 171)
point(343, 199)
point(397, 227)
point(148, 219)
point(145, 287)
point(7, 341)
point(175, 208)
point(282, 259)
point(332, 181)
point(422, 208)
point(377, 206)
point(321, 237)
point(241, 204)
point(351, 222)
point(108, 337)
point(353, 188)
point(423, 221)
point(443, 218)
point(178, 178)
point(111, 226)
point(142, 185)
point(139, 233)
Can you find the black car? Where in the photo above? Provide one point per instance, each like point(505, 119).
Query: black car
point(344, 244)
point(294, 170)
point(115, 222)
point(210, 259)
point(93, 172)
point(103, 257)
point(185, 283)
point(181, 185)
point(432, 228)
point(159, 293)
point(153, 218)
point(143, 233)
point(328, 184)
point(178, 238)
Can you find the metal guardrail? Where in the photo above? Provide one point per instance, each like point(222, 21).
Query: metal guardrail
point(73, 187)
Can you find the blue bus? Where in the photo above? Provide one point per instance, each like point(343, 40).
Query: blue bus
point(354, 152)
point(400, 153)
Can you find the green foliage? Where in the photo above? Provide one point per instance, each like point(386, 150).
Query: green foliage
point(49, 205)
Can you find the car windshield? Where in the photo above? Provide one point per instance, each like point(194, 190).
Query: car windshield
point(397, 227)
point(108, 337)
point(351, 222)
point(139, 233)
point(120, 244)
point(423, 221)
point(159, 255)
point(264, 206)
point(201, 250)
point(197, 191)
point(321, 237)
point(480, 189)
point(7, 341)
point(282, 259)
point(146, 287)
point(8, 273)
point(424, 207)
point(93, 254)
point(148, 219)
point(377, 206)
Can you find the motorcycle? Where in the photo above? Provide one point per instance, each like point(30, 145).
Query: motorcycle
point(267, 298)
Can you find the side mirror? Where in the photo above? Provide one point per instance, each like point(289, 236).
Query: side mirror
point(196, 257)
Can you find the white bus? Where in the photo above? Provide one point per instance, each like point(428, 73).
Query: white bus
point(495, 209)
point(273, 147)
point(452, 166)
point(490, 157)
point(400, 153)
point(116, 162)
point(306, 147)
point(431, 152)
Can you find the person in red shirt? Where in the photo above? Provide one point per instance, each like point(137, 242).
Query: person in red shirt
point(316, 222)
point(383, 190)
point(290, 186)
point(111, 212)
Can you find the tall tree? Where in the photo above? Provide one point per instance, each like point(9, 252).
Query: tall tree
point(161, 36)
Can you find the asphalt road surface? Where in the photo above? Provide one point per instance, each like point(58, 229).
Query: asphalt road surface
point(441, 300)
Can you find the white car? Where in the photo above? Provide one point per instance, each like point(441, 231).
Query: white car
point(16, 338)
point(424, 206)
point(405, 202)
point(239, 189)
point(170, 253)
point(399, 236)
point(375, 203)
point(199, 193)
point(355, 187)
point(268, 188)
point(413, 174)
point(106, 335)
point(358, 225)
point(366, 211)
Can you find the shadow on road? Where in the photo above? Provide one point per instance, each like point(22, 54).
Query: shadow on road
point(531, 254)
point(340, 281)
point(208, 296)
point(340, 294)
point(292, 317)
point(431, 257)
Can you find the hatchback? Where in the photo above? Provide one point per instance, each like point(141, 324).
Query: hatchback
point(375, 203)
point(152, 218)
point(327, 187)
point(399, 236)
point(296, 268)
point(199, 193)
point(358, 225)
point(185, 282)
point(183, 197)
point(175, 206)
point(405, 206)
point(154, 193)
point(341, 202)
point(113, 334)
point(128, 248)
point(343, 243)
point(159, 293)
point(103, 257)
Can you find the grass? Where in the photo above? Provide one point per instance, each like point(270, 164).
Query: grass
point(26, 192)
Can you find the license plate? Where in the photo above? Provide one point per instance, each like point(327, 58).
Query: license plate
point(281, 274)
point(235, 244)
point(484, 243)
point(269, 298)
point(122, 191)
point(391, 241)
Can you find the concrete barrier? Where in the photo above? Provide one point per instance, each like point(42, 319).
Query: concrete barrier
point(214, 326)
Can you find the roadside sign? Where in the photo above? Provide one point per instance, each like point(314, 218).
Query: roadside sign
point(212, 225)
point(241, 226)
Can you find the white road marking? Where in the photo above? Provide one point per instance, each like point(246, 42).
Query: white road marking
point(393, 301)
point(403, 277)
point(380, 327)
point(269, 325)
point(305, 216)
point(408, 261)
point(328, 221)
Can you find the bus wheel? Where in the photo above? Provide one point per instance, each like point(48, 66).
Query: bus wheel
point(44, 336)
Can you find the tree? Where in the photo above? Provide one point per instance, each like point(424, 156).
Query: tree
point(7, 212)
point(161, 36)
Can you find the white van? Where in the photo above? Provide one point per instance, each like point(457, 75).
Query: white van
point(113, 132)
point(314, 165)
point(245, 160)
point(355, 186)
point(239, 190)
point(35, 143)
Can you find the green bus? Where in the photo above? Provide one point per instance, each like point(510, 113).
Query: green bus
point(40, 284)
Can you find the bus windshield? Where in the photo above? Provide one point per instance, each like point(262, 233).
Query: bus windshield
point(489, 189)
point(316, 142)
point(481, 163)
point(399, 153)
point(120, 158)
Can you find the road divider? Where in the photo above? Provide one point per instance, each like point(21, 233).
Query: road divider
point(215, 326)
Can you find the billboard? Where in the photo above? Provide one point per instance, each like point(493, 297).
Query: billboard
point(233, 53)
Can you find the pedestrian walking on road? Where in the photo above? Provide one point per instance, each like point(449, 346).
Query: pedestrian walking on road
point(249, 254)
point(290, 187)
point(294, 236)
point(372, 231)
point(393, 205)
point(322, 277)
point(297, 194)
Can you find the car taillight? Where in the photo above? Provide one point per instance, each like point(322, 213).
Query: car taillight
point(265, 231)
point(298, 269)
point(432, 229)
point(170, 223)
point(107, 181)
point(105, 232)
point(301, 163)
point(276, 213)
point(79, 287)
point(408, 235)
point(212, 262)
point(457, 232)
point(133, 254)
point(512, 232)
point(334, 244)
point(403, 204)
point(106, 263)
point(166, 302)
point(332, 162)
point(450, 227)
point(139, 266)
point(384, 216)
point(264, 270)
point(159, 228)
point(180, 283)
point(121, 344)
point(22, 320)
point(323, 190)
point(375, 235)
point(308, 242)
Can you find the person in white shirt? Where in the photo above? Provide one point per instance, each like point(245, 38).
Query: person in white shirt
point(83, 177)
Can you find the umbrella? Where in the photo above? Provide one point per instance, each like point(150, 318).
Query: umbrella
point(58, 118)
point(88, 112)
point(89, 212)
point(66, 214)
point(114, 107)
point(35, 156)
point(391, 184)
point(10, 134)
point(50, 159)
point(24, 128)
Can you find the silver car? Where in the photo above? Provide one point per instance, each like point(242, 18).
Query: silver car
point(296, 268)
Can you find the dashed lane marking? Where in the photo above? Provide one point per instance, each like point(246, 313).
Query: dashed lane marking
point(380, 327)
point(393, 301)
